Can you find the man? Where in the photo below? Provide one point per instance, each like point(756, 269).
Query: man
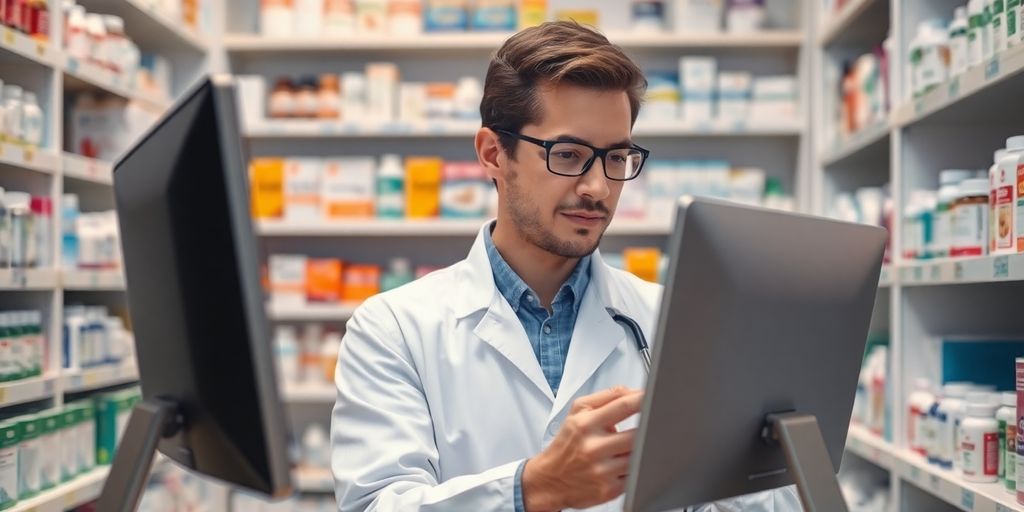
point(502, 382)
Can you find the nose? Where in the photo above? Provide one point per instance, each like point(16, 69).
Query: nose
point(593, 184)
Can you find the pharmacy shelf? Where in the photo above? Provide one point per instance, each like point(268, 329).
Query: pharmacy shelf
point(870, 447)
point(87, 280)
point(81, 76)
point(151, 28)
point(100, 377)
point(28, 279)
point(869, 141)
point(422, 228)
point(335, 129)
point(311, 312)
point(486, 41)
point(28, 158)
point(313, 480)
point(720, 128)
point(83, 489)
point(980, 93)
point(944, 271)
point(27, 390)
point(309, 393)
point(854, 12)
point(87, 169)
point(15, 43)
point(951, 487)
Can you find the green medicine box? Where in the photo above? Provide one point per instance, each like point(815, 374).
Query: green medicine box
point(29, 456)
point(112, 412)
point(49, 448)
point(9, 439)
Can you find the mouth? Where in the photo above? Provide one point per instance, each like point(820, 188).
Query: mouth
point(585, 218)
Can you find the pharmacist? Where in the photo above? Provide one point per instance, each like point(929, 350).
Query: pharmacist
point(502, 382)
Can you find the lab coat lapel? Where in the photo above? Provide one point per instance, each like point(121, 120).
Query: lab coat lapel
point(593, 339)
point(501, 329)
point(499, 326)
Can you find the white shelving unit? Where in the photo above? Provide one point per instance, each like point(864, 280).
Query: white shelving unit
point(100, 377)
point(51, 171)
point(83, 489)
point(957, 125)
point(311, 312)
point(485, 41)
point(34, 51)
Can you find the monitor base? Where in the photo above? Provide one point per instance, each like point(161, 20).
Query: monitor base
point(151, 421)
point(808, 460)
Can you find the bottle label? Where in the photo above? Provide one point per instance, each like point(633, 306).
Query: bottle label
point(991, 454)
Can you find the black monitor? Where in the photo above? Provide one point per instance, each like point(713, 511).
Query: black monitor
point(210, 396)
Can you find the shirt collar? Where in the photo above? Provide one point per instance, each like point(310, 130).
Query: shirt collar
point(512, 287)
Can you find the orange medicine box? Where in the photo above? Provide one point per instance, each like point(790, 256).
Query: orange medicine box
point(423, 187)
point(266, 177)
point(360, 282)
point(642, 262)
point(323, 280)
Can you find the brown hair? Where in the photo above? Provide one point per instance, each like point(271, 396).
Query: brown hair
point(553, 53)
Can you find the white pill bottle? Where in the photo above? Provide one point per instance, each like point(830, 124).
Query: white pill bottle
point(979, 443)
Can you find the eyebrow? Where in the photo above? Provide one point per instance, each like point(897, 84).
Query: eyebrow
point(569, 138)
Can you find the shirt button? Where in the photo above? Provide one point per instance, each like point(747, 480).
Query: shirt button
point(547, 329)
point(553, 428)
point(530, 298)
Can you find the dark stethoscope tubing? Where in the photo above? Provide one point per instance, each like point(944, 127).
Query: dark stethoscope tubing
point(638, 337)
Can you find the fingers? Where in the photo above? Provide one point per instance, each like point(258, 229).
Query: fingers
point(614, 445)
point(616, 467)
point(616, 410)
point(598, 399)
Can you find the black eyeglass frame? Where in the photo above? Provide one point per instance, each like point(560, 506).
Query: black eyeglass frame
point(601, 153)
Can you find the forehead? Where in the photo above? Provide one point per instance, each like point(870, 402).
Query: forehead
point(600, 117)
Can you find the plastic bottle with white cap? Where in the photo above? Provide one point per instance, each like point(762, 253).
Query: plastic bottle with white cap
point(1008, 202)
point(970, 218)
point(948, 418)
point(979, 440)
point(919, 402)
point(1007, 418)
point(949, 180)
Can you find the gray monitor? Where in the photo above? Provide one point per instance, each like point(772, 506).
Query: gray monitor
point(210, 397)
point(764, 313)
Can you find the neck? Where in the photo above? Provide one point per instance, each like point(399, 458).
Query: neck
point(541, 270)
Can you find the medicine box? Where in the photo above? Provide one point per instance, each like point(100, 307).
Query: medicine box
point(697, 81)
point(464, 190)
point(29, 456)
point(734, 95)
point(302, 189)
point(423, 187)
point(287, 279)
point(86, 456)
point(112, 413)
point(68, 436)
point(49, 448)
point(697, 15)
point(774, 98)
point(9, 439)
point(347, 188)
point(266, 176)
point(323, 280)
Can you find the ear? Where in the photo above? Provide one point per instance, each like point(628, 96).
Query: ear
point(491, 155)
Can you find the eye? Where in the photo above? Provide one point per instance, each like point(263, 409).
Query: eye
point(564, 154)
point(618, 158)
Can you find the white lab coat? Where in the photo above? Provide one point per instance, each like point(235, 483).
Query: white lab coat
point(440, 395)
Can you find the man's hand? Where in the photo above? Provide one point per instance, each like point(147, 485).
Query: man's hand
point(587, 462)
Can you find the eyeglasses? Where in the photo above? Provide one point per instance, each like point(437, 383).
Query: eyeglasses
point(576, 158)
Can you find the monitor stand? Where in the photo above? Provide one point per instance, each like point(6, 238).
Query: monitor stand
point(151, 420)
point(807, 459)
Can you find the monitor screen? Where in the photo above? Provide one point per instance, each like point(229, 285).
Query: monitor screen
point(191, 266)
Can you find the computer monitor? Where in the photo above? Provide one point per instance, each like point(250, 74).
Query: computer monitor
point(210, 396)
point(757, 351)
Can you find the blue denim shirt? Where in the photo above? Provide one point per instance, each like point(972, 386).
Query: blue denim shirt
point(549, 334)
